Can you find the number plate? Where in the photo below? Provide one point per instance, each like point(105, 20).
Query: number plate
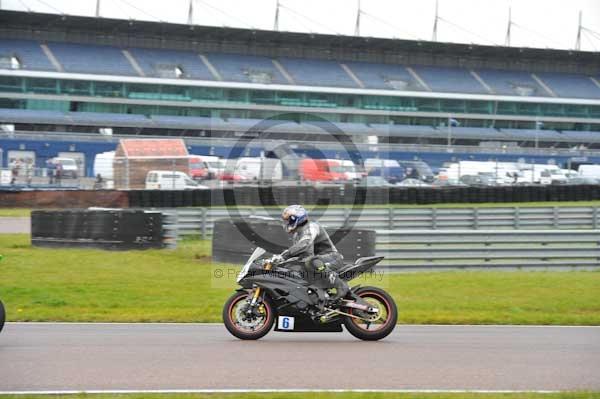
point(285, 323)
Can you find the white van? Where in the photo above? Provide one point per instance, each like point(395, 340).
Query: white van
point(103, 165)
point(254, 169)
point(215, 165)
point(589, 171)
point(171, 180)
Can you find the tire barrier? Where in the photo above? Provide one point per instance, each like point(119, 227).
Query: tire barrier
point(347, 195)
point(234, 240)
point(279, 196)
point(106, 229)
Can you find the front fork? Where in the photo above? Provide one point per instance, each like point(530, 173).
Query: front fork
point(257, 290)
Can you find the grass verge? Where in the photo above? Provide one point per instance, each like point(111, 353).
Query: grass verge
point(39, 284)
point(325, 395)
point(15, 212)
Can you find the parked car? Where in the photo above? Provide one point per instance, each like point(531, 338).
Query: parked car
point(375, 181)
point(412, 183)
point(477, 180)
point(170, 180)
point(417, 170)
point(447, 183)
point(393, 174)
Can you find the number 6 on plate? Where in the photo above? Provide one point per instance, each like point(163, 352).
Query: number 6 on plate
point(285, 323)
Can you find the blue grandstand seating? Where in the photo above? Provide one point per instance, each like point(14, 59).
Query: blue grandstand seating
point(454, 80)
point(89, 58)
point(32, 116)
point(317, 72)
point(28, 52)
point(187, 122)
point(531, 134)
point(577, 136)
point(476, 133)
point(239, 68)
point(507, 82)
point(383, 129)
point(191, 64)
point(99, 118)
point(570, 85)
point(377, 76)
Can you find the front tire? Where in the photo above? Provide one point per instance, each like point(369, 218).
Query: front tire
point(242, 328)
point(2, 316)
point(382, 327)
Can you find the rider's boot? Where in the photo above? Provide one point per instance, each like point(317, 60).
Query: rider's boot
point(341, 288)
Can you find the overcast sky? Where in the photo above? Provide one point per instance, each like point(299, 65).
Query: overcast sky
point(537, 23)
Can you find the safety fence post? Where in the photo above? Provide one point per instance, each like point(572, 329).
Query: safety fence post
point(203, 223)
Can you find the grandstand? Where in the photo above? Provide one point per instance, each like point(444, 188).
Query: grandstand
point(64, 78)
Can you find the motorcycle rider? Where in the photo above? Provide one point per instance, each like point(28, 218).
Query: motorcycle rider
point(312, 244)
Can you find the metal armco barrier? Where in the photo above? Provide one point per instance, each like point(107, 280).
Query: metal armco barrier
point(426, 238)
point(420, 249)
point(200, 221)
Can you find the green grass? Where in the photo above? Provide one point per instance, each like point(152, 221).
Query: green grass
point(38, 284)
point(15, 212)
point(323, 395)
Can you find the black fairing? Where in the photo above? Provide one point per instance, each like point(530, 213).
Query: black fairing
point(362, 265)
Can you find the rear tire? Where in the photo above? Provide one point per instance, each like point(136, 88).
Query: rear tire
point(230, 320)
point(387, 325)
point(2, 316)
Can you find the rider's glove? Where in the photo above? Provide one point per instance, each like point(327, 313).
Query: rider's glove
point(277, 259)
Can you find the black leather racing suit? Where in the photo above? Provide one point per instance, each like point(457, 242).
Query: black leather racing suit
point(312, 244)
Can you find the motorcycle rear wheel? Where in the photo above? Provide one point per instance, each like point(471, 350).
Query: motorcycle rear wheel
point(384, 325)
point(231, 317)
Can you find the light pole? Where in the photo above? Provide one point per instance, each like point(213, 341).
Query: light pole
point(449, 131)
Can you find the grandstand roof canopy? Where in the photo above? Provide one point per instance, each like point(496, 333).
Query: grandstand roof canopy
point(42, 26)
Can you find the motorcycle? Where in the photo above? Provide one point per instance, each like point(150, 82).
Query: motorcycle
point(2, 316)
point(271, 292)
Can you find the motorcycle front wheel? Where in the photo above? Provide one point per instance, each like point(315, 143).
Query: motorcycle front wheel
point(373, 326)
point(244, 325)
point(2, 315)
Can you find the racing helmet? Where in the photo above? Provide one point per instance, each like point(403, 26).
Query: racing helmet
point(294, 216)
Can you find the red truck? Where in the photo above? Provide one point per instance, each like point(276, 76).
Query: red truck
point(198, 168)
point(321, 170)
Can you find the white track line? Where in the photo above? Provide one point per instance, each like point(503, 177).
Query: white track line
point(268, 390)
point(85, 323)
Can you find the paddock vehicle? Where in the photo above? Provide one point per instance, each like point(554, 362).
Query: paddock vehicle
point(170, 180)
point(2, 316)
point(198, 169)
point(321, 170)
point(279, 292)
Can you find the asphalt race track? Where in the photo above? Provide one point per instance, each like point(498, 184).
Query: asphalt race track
point(55, 356)
point(15, 225)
